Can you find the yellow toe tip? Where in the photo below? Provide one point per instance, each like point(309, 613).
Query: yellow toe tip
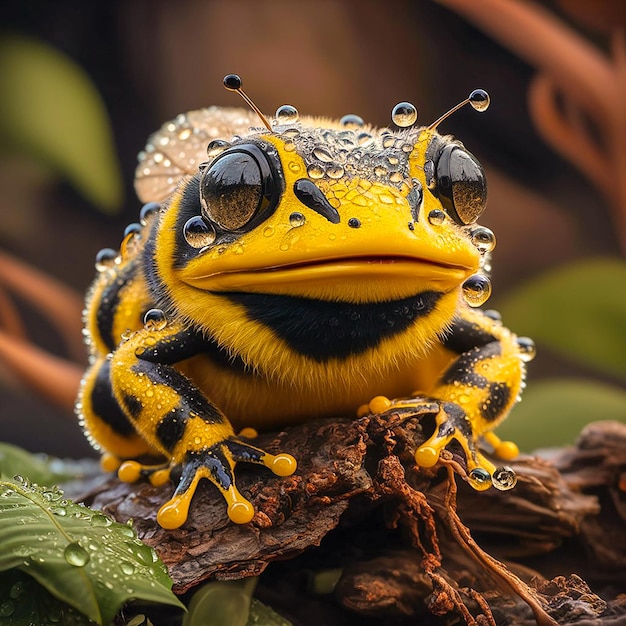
point(380, 404)
point(240, 512)
point(426, 456)
point(129, 471)
point(249, 433)
point(507, 450)
point(109, 463)
point(283, 465)
point(160, 477)
point(171, 515)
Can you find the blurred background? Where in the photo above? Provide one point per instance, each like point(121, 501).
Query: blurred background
point(83, 84)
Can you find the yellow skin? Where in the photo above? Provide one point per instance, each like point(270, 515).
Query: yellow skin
point(275, 311)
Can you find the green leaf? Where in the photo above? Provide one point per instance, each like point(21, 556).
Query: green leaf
point(552, 413)
point(24, 602)
point(221, 602)
point(578, 310)
point(263, 615)
point(80, 556)
point(39, 468)
point(51, 110)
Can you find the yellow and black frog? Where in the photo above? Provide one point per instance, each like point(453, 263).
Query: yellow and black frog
point(307, 268)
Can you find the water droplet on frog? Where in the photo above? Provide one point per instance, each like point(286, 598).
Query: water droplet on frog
point(76, 555)
point(404, 114)
point(364, 139)
point(197, 233)
point(436, 217)
point(322, 154)
point(286, 114)
point(147, 211)
point(294, 167)
point(315, 171)
point(268, 231)
point(296, 219)
point(105, 259)
point(480, 477)
point(335, 171)
point(484, 239)
point(479, 99)
point(351, 121)
point(217, 146)
point(476, 290)
point(154, 319)
point(389, 141)
point(185, 133)
point(289, 146)
point(379, 170)
point(132, 229)
point(504, 478)
point(354, 222)
point(527, 350)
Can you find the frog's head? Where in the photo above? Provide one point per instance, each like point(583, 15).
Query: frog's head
point(334, 212)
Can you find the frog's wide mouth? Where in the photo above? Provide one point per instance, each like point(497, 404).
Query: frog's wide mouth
point(326, 271)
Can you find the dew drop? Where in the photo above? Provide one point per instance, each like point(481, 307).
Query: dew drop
point(354, 222)
point(322, 154)
point(476, 290)
point(294, 167)
point(105, 259)
point(484, 239)
point(389, 141)
point(527, 350)
point(296, 219)
point(286, 114)
point(315, 171)
point(479, 99)
point(17, 590)
point(335, 171)
point(351, 121)
point(132, 229)
point(289, 146)
point(147, 211)
point(76, 555)
point(185, 133)
point(154, 319)
point(404, 114)
point(480, 478)
point(436, 217)
point(197, 233)
point(268, 231)
point(127, 568)
point(101, 520)
point(429, 174)
point(504, 478)
point(364, 139)
point(217, 146)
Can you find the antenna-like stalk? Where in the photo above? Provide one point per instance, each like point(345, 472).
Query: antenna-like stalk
point(232, 82)
point(479, 99)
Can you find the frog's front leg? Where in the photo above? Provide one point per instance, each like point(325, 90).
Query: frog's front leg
point(179, 421)
point(475, 393)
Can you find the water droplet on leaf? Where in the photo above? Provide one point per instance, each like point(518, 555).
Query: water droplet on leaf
point(76, 555)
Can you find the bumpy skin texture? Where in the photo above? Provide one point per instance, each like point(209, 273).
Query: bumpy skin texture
point(298, 273)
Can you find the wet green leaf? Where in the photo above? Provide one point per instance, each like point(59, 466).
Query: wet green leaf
point(51, 110)
point(24, 602)
point(552, 413)
point(80, 556)
point(263, 615)
point(578, 310)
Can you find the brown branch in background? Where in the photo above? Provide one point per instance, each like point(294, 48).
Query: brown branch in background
point(59, 304)
point(54, 378)
point(593, 83)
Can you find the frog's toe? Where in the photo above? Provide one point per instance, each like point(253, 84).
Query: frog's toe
point(452, 424)
point(132, 471)
point(281, 464)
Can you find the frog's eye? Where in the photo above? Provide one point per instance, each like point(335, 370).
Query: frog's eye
point(460, 184)
point(238, 188)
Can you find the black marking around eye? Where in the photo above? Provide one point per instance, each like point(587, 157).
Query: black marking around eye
point(311, 196)
point(104, 405)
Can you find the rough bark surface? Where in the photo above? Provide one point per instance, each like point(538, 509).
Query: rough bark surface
point(361, 535)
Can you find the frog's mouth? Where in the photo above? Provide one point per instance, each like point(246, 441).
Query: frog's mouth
point(388, 275)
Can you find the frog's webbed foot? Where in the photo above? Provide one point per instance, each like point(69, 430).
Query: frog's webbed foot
point(217, 464)
point(452, 423)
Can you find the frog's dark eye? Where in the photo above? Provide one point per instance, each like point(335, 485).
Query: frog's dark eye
point(460, 184)
point(238, 188)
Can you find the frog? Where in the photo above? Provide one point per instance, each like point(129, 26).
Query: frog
point(288, 271)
